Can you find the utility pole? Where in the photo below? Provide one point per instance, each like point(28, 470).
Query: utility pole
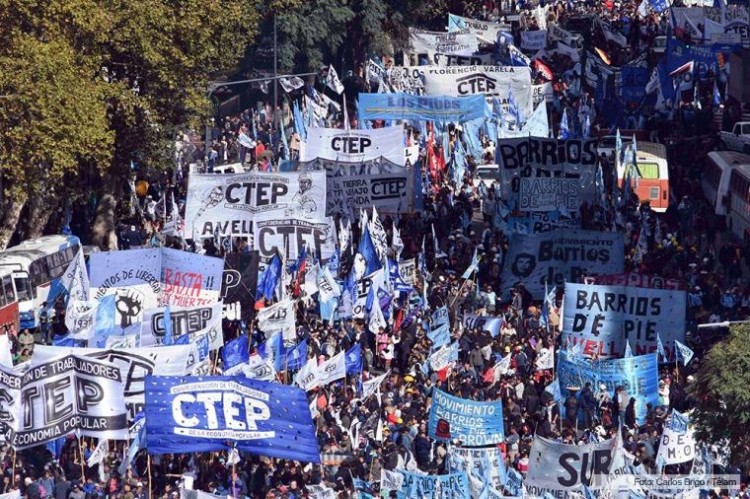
point(275, 73)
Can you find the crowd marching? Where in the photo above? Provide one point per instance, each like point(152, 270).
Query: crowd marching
point(427, 280)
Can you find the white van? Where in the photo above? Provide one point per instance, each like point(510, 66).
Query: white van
point(230, 168)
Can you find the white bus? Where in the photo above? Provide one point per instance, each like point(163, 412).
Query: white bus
point(738, 213)
point(716, 173)
point(35, 264)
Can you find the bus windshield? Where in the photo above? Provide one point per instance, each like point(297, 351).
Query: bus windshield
point(649, 171)
point(23, 288)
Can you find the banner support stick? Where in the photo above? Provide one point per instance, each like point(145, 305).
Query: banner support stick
point(148, 465)
point(13, 477)
point(83, 459)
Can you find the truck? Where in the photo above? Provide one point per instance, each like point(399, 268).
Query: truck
point(738, 139)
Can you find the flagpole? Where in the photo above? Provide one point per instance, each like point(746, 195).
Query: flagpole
point(80, 450)
point(13, 476)
point(148, 465)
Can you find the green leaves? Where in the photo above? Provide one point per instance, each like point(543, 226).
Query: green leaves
point(721, 394)
point(54, 114)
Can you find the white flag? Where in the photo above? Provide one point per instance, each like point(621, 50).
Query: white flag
point(333, 80)
point(97, 456)
point(6, 359)
point(378, 235)
point(246, 141)
point(80, 317)
point(345, 235)
point(370, 386)
point(398, 243)
point(333, 369)
point(377, 320)
point(502, 368)
point(306, 378)
point(76, 278)
point(391, 480)
point(291, 84)
point(327, 285)
point(277, 317)
point(233, 457)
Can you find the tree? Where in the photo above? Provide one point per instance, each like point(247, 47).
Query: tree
point(90, 85)
point(721, 395)
point(311, 34)
point(53, 116)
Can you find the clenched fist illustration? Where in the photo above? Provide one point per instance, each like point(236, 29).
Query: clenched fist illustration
point(129, 305)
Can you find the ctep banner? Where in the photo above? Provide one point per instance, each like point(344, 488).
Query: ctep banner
point(490, 81)
point(193, 321)
point(288, 236)
point(603, 318)
point(66, 394)
point(134, 364)
point(355, 145)
point(474, 423)
point(225, 205)
point(353, 186)
point(207, 413)
point(560, 256)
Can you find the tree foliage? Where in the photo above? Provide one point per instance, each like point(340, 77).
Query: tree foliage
point(89, 85)
point(720, 390)
point(311, 34)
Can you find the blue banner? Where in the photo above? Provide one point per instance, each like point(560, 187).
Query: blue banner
point(638, 375)
point(439, 336)
point(235, 352)
point(707, 57)
point(434, 486)
point(297, 356)
point(474, 423)
point(354, 359)
point(634, 80)
point(415, 107)
point(207, 413)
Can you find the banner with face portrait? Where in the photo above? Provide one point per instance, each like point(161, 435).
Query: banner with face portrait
point(560, 256)
point(225, 205)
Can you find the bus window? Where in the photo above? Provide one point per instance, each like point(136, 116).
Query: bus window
point(649, 171)
point(23, 288)
point(10, 294)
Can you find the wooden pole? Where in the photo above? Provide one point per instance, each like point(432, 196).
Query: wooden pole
point(83, 459)
point(148, 465)
point(13, 477)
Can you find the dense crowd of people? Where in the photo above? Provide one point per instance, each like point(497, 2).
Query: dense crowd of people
point(360, 438)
